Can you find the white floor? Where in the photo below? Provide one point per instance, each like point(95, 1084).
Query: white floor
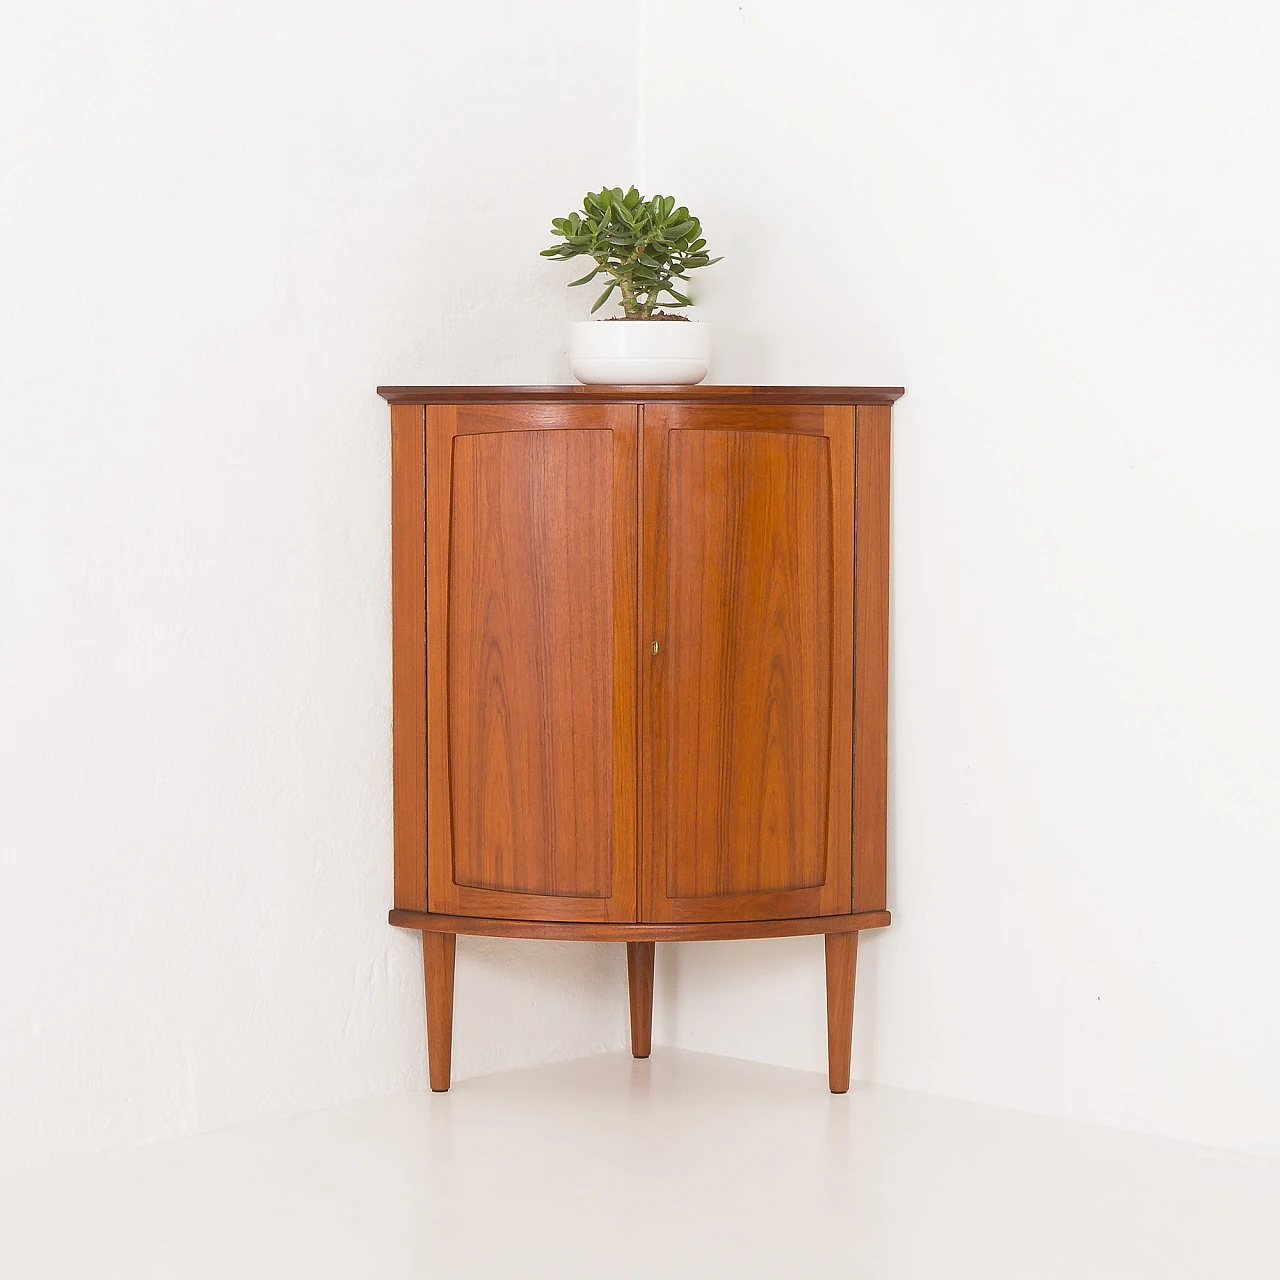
point(685, 1165)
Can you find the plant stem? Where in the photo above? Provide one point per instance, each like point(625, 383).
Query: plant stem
point(629, 304)
point(632, 307)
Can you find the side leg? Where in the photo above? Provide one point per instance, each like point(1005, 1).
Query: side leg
point(842, 968)
point(640, 988)
point(438, 951)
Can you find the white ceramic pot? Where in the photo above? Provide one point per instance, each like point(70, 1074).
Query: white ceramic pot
point(646, 352)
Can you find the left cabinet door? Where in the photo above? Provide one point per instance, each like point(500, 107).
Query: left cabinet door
point(531, 551)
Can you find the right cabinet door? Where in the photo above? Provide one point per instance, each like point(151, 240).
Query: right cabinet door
point(747, 534)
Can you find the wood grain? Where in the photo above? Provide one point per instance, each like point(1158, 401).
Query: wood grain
point(640, 995)
point(438, 953)
point(531, 662)
point(702, 393)
point(408, 657)
point(531, 602)
point(622, 931)
point(871, 665)
point(747, 705)
point(842, 970)
point(748, 661)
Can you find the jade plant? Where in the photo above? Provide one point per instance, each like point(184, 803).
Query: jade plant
point(641, 245)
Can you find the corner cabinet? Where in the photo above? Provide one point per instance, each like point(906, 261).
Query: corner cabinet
point(640, 673)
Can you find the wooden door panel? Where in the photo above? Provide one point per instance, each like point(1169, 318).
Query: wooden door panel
point(531, 582)
point(749, 615)
point(747, 741)
point(530, 673)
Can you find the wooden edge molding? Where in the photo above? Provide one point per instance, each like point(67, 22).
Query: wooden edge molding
point(409, 654)
point(700, 394)
point(620, 931)
point(871, 660)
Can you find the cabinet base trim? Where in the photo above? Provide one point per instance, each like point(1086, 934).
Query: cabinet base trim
point(592, 931)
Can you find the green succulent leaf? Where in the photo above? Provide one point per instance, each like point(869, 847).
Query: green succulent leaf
point(642, 244)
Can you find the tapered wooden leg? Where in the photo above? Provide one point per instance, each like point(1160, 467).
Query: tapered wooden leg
point(438, 951)
point(842, 969)
point(640, 987)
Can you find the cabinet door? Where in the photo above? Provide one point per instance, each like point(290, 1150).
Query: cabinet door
point(531, 661)
point(747, 733)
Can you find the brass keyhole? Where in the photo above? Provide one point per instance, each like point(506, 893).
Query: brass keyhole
point(653, 648)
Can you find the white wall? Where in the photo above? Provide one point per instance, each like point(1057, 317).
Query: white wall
point(221, 226)
point(1056, 224)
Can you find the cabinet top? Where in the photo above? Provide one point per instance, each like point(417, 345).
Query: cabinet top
point(703, 393)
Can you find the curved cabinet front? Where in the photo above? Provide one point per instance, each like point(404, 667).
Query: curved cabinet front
point(640, 666)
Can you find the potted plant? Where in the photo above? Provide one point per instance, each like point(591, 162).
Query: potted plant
point(641, 246)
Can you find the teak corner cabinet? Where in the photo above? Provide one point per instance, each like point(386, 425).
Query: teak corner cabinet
point(640, 673)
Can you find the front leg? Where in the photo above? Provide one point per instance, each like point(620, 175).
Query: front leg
point(640, 990)
point(438, 950)
point(842, 969)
